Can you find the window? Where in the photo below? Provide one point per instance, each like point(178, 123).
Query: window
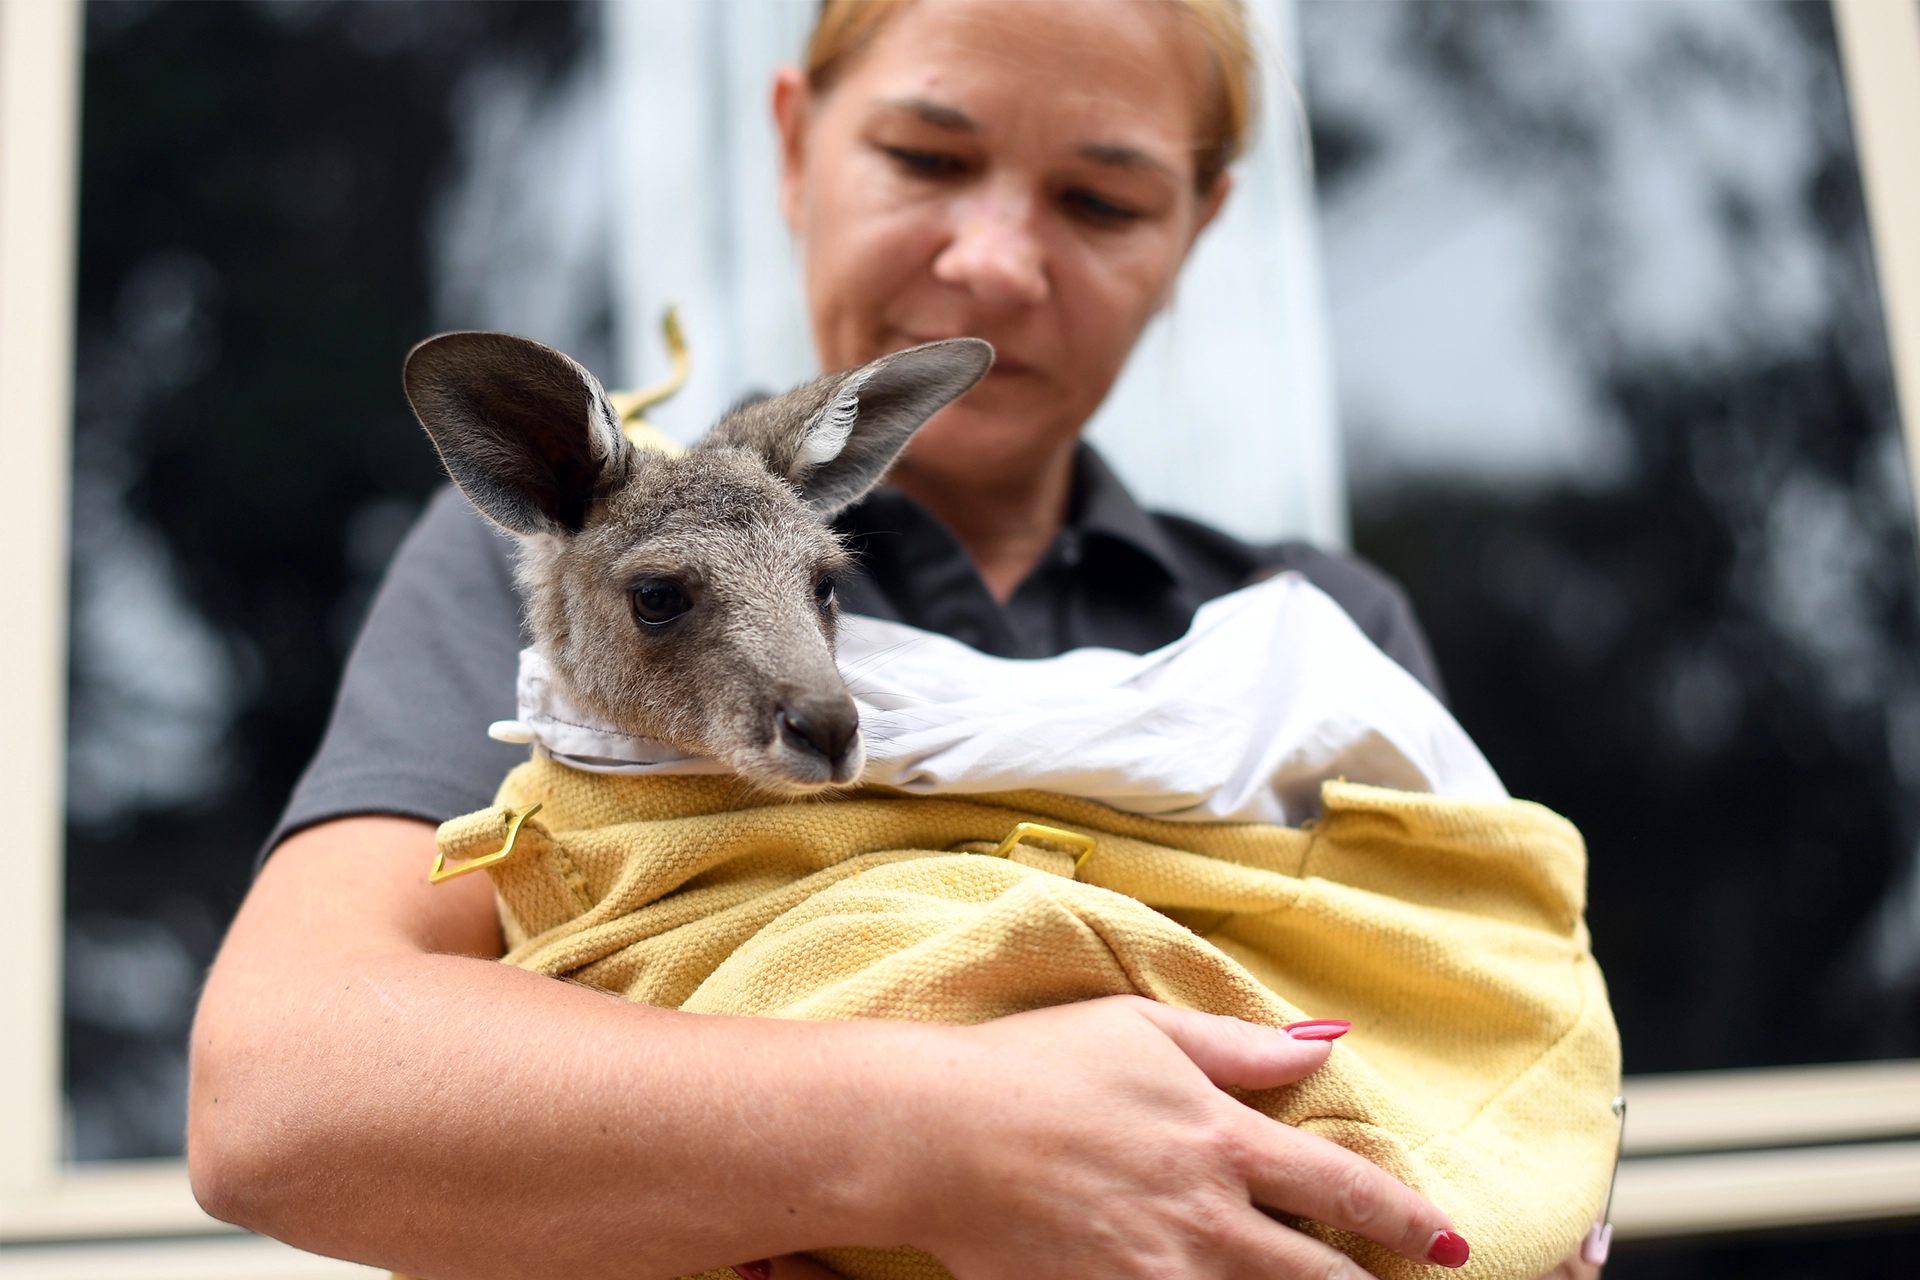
point(1620, 414)
point(253, 259)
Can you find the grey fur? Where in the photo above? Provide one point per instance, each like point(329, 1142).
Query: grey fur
point(737, 526)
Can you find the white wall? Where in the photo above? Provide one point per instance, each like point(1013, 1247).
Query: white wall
point(1225, 411)
point(696, 215)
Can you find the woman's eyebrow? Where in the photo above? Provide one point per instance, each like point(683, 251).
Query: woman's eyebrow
point(1116, 156)
point(1113, 155)
point(937, 114)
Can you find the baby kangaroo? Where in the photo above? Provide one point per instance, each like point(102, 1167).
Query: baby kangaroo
point(686, 599)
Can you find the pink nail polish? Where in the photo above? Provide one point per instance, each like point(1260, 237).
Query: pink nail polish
point(1598, 1244)
point(761, 1270)
point(1318, 1029)
point(1448, 1248)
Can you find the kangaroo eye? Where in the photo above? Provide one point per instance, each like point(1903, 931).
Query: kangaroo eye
point(823, 592)
point(657, 601)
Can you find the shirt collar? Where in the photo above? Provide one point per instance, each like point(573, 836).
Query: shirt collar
point(1102, 508)
point(1102, 511)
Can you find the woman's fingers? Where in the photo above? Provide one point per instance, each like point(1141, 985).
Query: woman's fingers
point(1302, 1174)
point(1275, 1252)
point(1119, 1156)
point(1234, 1054)
point(1297, 1172)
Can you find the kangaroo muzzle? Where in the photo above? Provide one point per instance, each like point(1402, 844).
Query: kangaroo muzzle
point(818, 739)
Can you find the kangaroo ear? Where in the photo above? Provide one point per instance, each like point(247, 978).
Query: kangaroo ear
point(524, 431)
point(836, 437)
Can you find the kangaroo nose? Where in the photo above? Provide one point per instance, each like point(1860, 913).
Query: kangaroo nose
point(824, 726)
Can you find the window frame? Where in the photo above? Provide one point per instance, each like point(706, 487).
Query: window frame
point(39, 148)
point(1880, 61)
point(1707, 1153)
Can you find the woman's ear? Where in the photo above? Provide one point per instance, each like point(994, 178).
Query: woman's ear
point(1210, 206)
point(792, 107)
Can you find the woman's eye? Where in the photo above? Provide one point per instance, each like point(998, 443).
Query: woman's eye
point(656, 601)
point(1092, 207)
point(823, 593)
point(927, 164)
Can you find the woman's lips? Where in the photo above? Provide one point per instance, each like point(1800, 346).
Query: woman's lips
point(1004, 365)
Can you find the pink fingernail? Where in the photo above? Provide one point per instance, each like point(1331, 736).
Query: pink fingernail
point(761, 1270)
point(1448, 1248)
point(1318, 1029)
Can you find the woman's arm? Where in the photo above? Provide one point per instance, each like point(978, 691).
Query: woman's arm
point(368, 1082)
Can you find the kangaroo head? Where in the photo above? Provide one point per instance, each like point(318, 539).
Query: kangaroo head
point(687, 599)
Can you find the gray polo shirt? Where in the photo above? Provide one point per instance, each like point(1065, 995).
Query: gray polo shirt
point(436, 661)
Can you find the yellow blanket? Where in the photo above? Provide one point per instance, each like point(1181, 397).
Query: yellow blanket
point(1483, 1057)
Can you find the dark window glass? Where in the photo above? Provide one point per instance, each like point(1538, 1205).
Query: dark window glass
point(1619, 414)
point(261, 189)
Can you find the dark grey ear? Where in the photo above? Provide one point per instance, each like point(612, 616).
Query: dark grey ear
point(836, 437)
point(524, 431)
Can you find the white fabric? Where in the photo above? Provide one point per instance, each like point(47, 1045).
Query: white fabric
point(1271, 692)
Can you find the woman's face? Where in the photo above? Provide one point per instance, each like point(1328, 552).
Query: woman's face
point(1017, 171)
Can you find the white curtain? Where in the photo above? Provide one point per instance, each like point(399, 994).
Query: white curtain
point(1225, 411)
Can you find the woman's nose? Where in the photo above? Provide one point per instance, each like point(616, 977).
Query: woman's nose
point(995, 253)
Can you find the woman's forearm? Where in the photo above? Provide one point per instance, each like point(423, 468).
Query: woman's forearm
point(358, 1095)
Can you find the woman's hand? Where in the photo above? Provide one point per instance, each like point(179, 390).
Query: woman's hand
point(1098, 1139)
point(1096, 1136)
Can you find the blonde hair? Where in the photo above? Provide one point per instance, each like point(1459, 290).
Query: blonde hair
point(845, 27)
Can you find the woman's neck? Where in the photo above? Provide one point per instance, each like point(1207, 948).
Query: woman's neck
point(1007, 521)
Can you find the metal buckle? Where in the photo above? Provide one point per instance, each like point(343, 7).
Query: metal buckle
point(633, 405)
point(1038, 834)
point(441, 871)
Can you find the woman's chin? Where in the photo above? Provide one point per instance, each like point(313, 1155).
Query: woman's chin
point(1007, 425)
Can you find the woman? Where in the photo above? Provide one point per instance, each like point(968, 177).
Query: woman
point(368, 1083)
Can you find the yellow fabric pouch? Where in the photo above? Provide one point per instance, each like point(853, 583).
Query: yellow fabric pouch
point(1483, 1059)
